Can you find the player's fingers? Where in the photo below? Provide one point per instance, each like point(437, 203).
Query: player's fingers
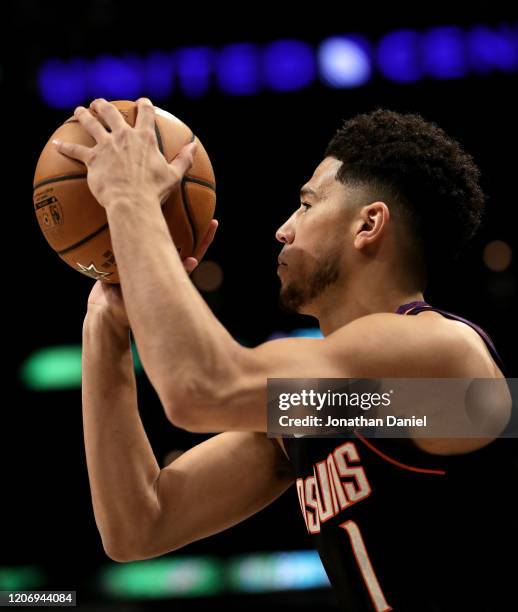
point(183, 161)
point(190, 263)
point(90, 123)
point(109, 113)
point(207, 240)
point(75, 151)
point(145, 114)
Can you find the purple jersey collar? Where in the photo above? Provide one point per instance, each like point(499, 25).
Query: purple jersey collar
point(404, 308)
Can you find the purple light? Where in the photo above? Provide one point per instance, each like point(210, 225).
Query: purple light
point(401, 56)
point(492, 49)
point(345, 61)
point(194, 69)
point(289, 65)
point(62, 84)
point(116, 77)
point(444, 53)
point(237, 69)
point(398, 56)
point(158, 75)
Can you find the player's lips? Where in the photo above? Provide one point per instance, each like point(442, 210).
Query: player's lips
point(280, 262)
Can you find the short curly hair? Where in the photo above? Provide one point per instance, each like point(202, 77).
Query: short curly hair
point(422, 174)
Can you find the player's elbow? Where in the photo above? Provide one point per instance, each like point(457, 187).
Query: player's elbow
point(157, 540)
point(182, 408)
point(119, 550)
point(192, 411)
point(120, 555)
point(133, 540)
point(200, 395)
point(182, 417)
point(122, 552)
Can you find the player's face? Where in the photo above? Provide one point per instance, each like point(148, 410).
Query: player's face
point(314, 239)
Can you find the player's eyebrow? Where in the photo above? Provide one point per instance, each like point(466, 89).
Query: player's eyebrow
point(308, 191)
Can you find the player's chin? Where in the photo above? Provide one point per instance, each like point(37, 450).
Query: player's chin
point(290, 298)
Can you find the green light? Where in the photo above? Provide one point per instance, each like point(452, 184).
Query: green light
point(20, 578)
point(58, 367)
point(136, 358)
point(169, 577)
point(205, 576)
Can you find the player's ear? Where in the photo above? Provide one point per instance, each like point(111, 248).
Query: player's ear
point(370, 224)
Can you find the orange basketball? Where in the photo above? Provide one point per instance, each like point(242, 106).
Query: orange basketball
point(75, 224)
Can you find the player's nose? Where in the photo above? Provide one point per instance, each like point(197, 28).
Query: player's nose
point(285, 233)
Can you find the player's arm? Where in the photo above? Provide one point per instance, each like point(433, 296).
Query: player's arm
point(382, 345)
point(215, 485)
point(379, 345)
point(141, 510)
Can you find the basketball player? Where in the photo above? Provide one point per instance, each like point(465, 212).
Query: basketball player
point(414, 525)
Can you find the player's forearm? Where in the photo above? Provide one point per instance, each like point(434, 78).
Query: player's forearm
point(121, 465)
point(185, 351)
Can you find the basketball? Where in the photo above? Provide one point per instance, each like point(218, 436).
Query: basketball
point(75, 224)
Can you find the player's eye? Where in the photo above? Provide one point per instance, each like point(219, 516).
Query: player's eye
point(307, 206)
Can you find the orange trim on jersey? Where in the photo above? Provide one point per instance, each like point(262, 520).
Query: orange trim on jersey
point(403, 466)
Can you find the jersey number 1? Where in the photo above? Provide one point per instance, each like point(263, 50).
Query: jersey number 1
point(366, 569)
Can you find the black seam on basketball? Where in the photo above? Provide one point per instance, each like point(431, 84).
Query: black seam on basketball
point(108, 129)
point(159, 138)
point(58, 179)
point(191, 179)
point(187, 207)
point(81, 242)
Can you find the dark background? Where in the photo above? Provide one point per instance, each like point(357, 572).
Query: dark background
point(263, 148)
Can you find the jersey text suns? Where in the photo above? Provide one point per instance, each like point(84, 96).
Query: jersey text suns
point(337, 483)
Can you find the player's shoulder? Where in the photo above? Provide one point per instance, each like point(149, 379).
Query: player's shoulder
point(427, 345)
point(426, 328)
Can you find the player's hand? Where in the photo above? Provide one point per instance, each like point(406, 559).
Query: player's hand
point(126, 165)
point(108, 297)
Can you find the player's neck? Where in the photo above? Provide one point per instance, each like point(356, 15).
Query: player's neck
point(339, 310)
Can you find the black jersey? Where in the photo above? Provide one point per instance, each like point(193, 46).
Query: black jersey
point(400, 529)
